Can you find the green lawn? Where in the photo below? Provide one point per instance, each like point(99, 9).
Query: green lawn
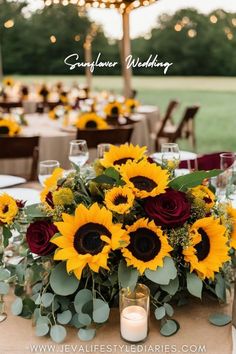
point(216, 121)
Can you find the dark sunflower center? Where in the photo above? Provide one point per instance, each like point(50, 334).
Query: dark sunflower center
point(203, 247)
point(122, 161)
point(114, 111)
point(4, 130)
point(144, 244)
point(143, 183)
point(88, 238)
point(91, 124)
point(5, 209)
point(120, 199)
point(207, 200)
point(132, 107)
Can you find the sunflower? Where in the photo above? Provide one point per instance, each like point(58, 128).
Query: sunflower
point(205, 194)
point(8, 209)
point(113, 109)
point(8, 81)
point(87, 239)
point(119, 155)
point(208, 250)
point(147, 246)
point(52, 114)
point(231, 213)
point(144, 178)
point(9, 127)
point(119, 199)
point(130, 105)
point(91, 121)
point(50, 186)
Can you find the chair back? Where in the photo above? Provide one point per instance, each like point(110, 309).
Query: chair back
point(115, 136)
point(7, 106)
point(173, 104)
point(185, 122)
point(21, 147)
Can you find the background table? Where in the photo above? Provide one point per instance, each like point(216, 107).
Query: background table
point(17, 334)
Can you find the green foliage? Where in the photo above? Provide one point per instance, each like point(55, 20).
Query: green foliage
point(194, 285)
point(164, 274)
point(220, 319)
point(61, 282)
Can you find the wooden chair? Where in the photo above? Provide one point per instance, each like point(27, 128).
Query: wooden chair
point(7, 106)
point(185, 129)
point(21, 147)
point(115, 136)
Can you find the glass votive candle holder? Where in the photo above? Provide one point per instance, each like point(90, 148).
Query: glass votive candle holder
point(134, 313)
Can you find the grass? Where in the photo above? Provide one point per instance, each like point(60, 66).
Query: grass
point(216, 121)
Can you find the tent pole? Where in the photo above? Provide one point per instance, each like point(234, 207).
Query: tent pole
point(126, 51)
point(88, 59)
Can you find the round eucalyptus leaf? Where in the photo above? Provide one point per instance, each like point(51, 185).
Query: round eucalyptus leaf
point(4, 274)
point(47, 299)
point(4, 288)
point(194, 285)
point(61, 282)
point(42, 320)
point(220, 319)
point(163, 275)
point(75, 321)
point(17, 306)
point(81, 298)
point(86, 334)
point(169, 328)
point(58, 333)
point(172, 287)
point(41, 329)
point(36, 288)
point(160, 312)
point(101, 311)
point(64, 317)
point(84, 319)
point(37, 299)
point(127, 276)
point(169, 309)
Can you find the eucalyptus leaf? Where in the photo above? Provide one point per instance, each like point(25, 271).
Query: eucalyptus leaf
point(169, 328)
point(6, 235)
point(75, 321)
point(81, 298)
point(61, 282)
point(36, 288)
point(220, 287)
point(47, 299)
point(160, 312)
point(34, 211)
point(183, 183)
point(37, 299)
point(41, 329)
point(84, 319)
point(127, 276)
point(4, 274)
point(113, 173)
point(164, 274)
point(194, 285)
point(104, 179)
point(86, 334)
point(172, 287)
point(4, 288)
point(220, 319)
point(42, 320)
point(17, 306)
point(58, 333)
point(169, 309)
point(101, 311)
point(64, 317)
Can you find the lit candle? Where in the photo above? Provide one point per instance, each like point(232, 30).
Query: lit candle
point(134, 323)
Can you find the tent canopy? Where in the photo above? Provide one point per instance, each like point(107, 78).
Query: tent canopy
point(122, 5)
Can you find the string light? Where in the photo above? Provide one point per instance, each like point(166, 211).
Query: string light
point(178, 27)
point(77, 37)
point(192, 33)
point(213, 19)
point(234, 22)
point(230, 36)
point(53, 39)
point(9, 23)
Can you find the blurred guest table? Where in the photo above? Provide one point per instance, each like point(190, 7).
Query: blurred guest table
point(196, 335)
point(54, 141)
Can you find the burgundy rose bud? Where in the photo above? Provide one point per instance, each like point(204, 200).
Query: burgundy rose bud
point(20, 203)
point(38, 236)
point(171, 209)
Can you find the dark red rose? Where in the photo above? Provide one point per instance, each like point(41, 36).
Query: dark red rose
point(38, 237)
point(170, 209)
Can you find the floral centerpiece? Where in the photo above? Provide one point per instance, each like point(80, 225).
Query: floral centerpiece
point(127, 223)
point(9, 127)
point(91, 120)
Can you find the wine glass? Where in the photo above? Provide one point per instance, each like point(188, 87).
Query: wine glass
point(46, 168)
point(101, 149)
point(79, 153)
point(170, 156)
point(227, 179)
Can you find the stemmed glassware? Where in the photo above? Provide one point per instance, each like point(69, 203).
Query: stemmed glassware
point(101, 149)
point(227, 179)
point(46, 168)
point(79, 153)
point(170, 157)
